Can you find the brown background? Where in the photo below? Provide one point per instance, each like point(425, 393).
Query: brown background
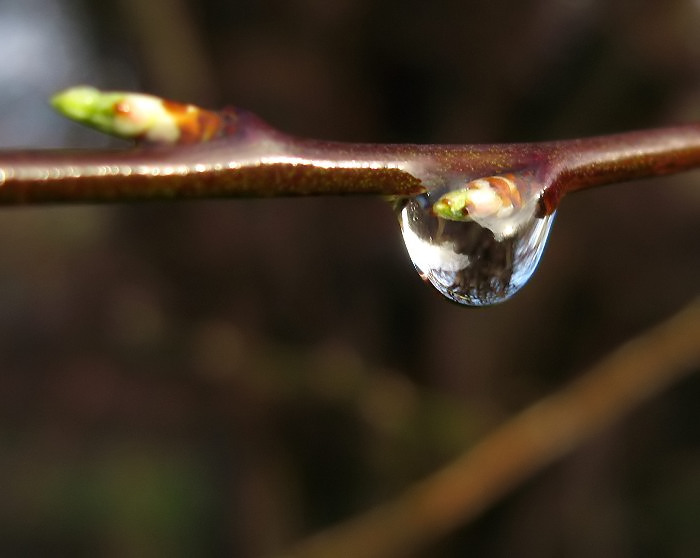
point(223, 378)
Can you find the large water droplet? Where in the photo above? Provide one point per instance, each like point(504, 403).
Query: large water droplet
point(477, 241)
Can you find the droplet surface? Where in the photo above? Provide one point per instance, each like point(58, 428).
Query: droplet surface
point(477, 241)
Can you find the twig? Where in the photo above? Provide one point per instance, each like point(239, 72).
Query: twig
point(546, 431)
point(246, 157)
point(171, 46)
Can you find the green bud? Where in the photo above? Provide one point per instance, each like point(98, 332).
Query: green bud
point(453, 206)
point(125, 115)
point(90, 106)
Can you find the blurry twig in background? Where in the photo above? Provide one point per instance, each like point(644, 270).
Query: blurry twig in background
point(546, 431)
point(172, 48)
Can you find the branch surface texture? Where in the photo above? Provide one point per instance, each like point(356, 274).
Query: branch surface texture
point(184, 151)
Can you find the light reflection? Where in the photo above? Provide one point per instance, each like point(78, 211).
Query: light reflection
point(477, 259)
point(331, 163)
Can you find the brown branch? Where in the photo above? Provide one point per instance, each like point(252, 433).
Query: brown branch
point(234, 154)
point(541, 434)
point(589, 162)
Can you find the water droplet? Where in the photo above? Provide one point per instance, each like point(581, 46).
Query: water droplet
point(477, 241)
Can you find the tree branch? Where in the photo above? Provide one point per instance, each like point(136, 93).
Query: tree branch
point(543, 433)
point(189, 152)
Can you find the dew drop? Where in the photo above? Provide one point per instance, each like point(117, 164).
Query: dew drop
point(477, 241)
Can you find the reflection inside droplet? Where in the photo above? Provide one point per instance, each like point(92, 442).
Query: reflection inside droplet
point(477, 241)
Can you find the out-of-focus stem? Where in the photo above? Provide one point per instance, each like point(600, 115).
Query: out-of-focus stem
point(546, 431)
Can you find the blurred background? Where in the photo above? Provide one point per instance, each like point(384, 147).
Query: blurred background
point(224, 378)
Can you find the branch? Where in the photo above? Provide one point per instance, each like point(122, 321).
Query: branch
point(543, 433)
point(188, 152)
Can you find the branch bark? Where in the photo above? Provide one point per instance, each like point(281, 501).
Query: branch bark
point(232, 153)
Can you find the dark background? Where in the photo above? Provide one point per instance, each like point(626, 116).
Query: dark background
point(223, 378)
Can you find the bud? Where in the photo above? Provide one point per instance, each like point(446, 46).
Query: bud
point(138, 116)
